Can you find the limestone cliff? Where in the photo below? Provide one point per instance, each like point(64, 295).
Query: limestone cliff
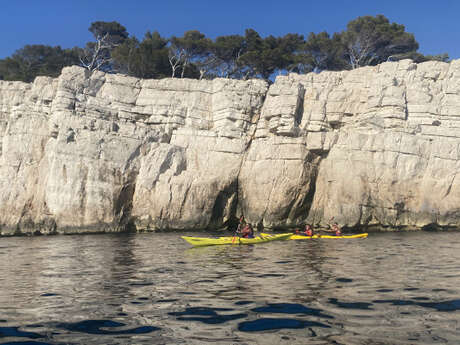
point(373, 146)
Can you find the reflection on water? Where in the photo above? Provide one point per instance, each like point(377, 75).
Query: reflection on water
point(391, 288)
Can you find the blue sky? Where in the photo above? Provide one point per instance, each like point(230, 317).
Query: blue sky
point(435, 24)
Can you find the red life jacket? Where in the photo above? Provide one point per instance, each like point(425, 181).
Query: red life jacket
point(247, 232)
point(309, 232)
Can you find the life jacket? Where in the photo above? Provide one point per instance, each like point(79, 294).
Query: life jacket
point(309, 232)
point(247, 232)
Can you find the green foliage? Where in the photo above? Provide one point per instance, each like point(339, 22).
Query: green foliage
point(37, 60)
point(318, 53)
point(98, 55)
point(147, 59)
point(225, 56)
point(417, 57)
point(115, 32)
point(291, 46)
point(264, 57)
point(367, 40)
point(191, 53)
point(372, 40)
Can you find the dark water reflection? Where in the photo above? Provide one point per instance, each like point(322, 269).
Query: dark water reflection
point(391, 288)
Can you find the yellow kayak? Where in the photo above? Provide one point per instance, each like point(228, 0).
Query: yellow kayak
point(302, 237)
point(206, 241)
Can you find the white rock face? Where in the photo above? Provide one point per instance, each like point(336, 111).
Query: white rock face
point(374, 146)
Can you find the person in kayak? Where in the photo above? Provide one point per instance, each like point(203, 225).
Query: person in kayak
point(308, 231)
point(335, 229)
point(247, 231)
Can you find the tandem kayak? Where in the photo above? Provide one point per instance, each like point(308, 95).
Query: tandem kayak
point(206, 241)
point(301, 237)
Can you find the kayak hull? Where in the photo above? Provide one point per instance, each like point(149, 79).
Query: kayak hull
point(205, 241)
point(301, 237)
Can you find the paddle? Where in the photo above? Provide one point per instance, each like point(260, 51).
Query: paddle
point(234, 237)
point(238, 228)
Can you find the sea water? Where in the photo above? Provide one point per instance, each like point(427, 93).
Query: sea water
point(391, 288)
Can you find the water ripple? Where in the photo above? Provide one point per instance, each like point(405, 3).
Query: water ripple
point(350, 305)
point(290, 308)
point(443, 306)
point(206, 315)
point(269, 324)
point(95, 327)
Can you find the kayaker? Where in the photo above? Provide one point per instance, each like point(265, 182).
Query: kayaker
point(308, 231)
point(335, 229)
point(247, 231)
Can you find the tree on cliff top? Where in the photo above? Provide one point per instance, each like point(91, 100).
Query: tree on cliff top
point(146, 59)
point(371, 40)
point(37, 60)
point(320, 52)
point(98, 55)
point(226, 52)
point(190, 53)
point(264, 57)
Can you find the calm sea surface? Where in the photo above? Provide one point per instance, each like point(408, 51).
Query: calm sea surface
point(391, 288)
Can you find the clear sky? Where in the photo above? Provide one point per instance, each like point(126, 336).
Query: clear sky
point(435, 24)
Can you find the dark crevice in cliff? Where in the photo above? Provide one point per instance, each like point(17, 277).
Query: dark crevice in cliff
point(317, 216)
point(406, 108)
point(225, 207)
point(233, 218)
point(298, 116)
point(450, 185)
point(123, 200)
point(83, 183)
point(303, 207)
point(431, 227)
point(123, 204)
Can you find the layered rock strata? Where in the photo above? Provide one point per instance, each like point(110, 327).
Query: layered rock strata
point(376, 146)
